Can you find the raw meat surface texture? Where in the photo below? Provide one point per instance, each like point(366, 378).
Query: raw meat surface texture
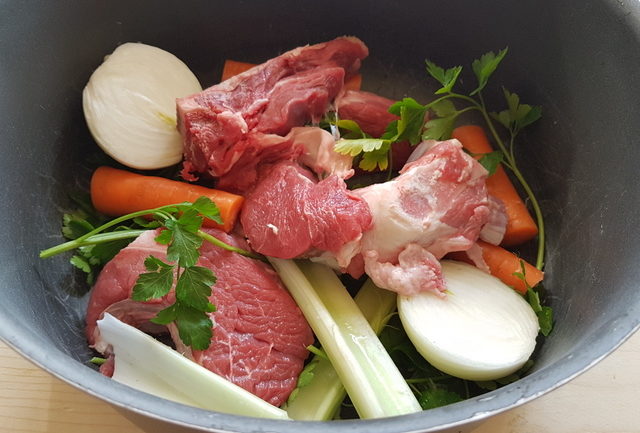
point(438, 204)
point(368, 110)
point(218, 125)
point(290, 215)
point(259, 335)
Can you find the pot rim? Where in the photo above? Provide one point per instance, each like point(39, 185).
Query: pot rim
point(472, 410)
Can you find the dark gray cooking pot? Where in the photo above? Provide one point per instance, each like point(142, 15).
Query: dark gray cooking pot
point(580, 60)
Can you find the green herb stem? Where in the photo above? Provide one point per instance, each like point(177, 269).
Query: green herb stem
point(510, 162)
point(451, 95)
point(525, 185)
point(126, 234)
point(159, 211)
point(91, 240)
point(217, 242)
point(96, 236)
point(538, 213)
point(464, 110)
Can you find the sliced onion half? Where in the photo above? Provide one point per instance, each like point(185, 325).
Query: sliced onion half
point(482, 329)
point(130, 105)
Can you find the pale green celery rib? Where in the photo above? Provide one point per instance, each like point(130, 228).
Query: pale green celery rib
point(373, 382)
point(148, 365)
point(320, 399)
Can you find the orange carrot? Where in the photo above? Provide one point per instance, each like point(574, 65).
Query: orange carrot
point(117, 192)
point(520, 225)
point(353, 83)
point(232, 68)
point(503, 264)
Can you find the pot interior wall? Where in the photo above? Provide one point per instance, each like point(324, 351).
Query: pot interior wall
point(578, 60)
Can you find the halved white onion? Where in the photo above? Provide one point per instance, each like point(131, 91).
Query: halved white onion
point(130, 105)
point(482, 330)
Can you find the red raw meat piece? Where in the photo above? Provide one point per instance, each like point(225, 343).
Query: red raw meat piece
point(289, 215)
point(294, 88)
point(438, 204)
point(259, 337)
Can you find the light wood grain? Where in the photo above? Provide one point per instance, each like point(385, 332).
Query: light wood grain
point(606, 399)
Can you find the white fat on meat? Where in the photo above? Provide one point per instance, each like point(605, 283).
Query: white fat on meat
point(438, 204)
point(318, 154)
point(420, 150)
point(496, 226)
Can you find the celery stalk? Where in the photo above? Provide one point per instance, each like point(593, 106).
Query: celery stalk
point(320, 399)
point(148, 365)
point(373, 382)
point(376, 304)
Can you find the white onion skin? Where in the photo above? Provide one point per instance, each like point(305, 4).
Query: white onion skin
point(129, 104)
point(482, 329)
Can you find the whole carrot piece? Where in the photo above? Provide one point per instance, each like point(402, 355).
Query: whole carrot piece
point(503, 264)
point(353, 83)
point(520, 225)
point(232, 68)
point(117, 192)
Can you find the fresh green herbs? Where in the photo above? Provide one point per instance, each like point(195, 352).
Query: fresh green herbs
point(96, 360)
point(412, 116)
point(192, 283)
point(544, 313)
point(412, 127)
point(432, 387)
point(434, 397)
point(91, 257)
point(484, 67)
point(415, 124)
point(490, 385)
point(513, 119)
point(180, 230)
point(517, 115)
point(375, 152)
point(447, 78)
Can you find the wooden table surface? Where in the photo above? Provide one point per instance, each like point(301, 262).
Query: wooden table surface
point(606, 399)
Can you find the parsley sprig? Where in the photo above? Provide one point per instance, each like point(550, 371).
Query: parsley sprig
point(514, 118)
point(544, 313)
point(415, 124)
point(82, 220)
point(376, 152)
point(181, 232)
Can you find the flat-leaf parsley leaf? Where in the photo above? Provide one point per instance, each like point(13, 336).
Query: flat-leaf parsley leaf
point(180, 229)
